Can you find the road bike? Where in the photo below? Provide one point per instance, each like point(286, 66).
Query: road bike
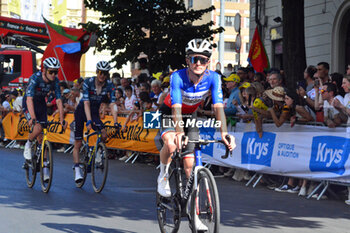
point(41, 159)
point(94, 159)
point(199, 199)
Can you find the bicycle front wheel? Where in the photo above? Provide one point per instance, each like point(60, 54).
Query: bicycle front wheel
point(99, 167)
point(31, 169)
point(205, 206)
point(46, 169)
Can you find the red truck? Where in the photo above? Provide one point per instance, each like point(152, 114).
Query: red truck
point(22, 40)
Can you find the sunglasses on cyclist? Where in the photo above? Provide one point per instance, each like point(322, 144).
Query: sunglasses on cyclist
point(53, 72)
point(323, 91)
point(101, 72)
point(202, 60)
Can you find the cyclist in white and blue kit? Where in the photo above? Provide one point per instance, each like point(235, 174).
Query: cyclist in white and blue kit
point(188, 88)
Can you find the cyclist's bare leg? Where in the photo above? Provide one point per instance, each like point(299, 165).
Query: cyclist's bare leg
point(77, 145)
point(165, 153)
point(188, 161)
point(37, 130)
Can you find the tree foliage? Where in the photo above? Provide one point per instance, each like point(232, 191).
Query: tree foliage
point(123, 24)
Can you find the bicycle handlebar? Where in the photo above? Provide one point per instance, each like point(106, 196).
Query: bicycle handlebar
point(206, 142)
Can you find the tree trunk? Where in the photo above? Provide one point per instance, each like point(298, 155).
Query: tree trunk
point(294, 58)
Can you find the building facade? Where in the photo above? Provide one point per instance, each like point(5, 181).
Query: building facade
point(232, 7)
point(327, 31)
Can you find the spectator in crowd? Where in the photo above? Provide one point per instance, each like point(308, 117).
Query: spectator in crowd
point(344, 107)
point(275, 80)
point(165, 89)
point(251, 73)
point(244, 112)
point(124, 83)
point(144, 66)
point(323, 73)
point(156, 92)
point(119, 99)
point(259, 88)
point(232, 83)
point(331, 114)
point(260, 78)
point(308, 95)
point(270, 71)
point(145, 87)
point(337, 80)
point(243, 74)
point(17, 104)
point(229, 70)
point(6, 104)
point(130, 99)
point(347, 69)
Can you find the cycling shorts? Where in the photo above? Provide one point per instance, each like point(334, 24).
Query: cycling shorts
point(80, 119)
point(191, 132)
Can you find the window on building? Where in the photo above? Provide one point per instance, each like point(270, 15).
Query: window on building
point(246, 22)
point(229, 46)
point(247, 47)
point(229, 21)
point(190, 3)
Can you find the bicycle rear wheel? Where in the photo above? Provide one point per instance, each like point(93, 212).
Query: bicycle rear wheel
point(205, 206)
point(83, 154)
point(99, 167)
point(31, 169)
point(46, 169)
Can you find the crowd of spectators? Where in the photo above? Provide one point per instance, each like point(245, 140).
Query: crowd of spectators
point(263, 97)
point(248, 97)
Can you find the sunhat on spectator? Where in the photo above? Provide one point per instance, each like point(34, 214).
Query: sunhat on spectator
point(277, 93)
point(245, 85)
point(233, 78)
point(166, 79)
point(66, 91)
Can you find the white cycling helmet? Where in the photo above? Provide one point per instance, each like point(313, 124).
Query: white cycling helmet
point(103, 65)
point(51, 63)
point(199, 46)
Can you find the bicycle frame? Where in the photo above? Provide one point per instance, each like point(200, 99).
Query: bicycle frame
point(44, 139)
point(99, 139)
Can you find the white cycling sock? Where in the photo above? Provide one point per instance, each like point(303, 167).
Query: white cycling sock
point(164, 168)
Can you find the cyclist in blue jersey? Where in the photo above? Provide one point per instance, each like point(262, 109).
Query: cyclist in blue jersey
point(188, 88)
point(34, 104)
point(95, 89)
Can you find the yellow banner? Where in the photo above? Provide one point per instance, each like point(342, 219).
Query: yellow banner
point(135, 138)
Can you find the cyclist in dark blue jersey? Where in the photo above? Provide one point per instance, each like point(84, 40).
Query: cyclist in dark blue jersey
point(95, 89)
point(188, 88)
point(34, 104)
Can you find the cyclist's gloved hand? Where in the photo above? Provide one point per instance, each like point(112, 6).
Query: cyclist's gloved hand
point(180, 140)
point(89, 125)
point(232, 144)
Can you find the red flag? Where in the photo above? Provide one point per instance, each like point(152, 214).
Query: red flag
point(257, 55)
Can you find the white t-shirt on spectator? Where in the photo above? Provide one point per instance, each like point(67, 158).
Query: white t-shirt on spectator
point(6, 105)
point(129, 102)
point(346, 103)
point(17, 104)
point(328, 109)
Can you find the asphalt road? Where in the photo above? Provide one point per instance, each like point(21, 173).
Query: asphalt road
point(127, 204)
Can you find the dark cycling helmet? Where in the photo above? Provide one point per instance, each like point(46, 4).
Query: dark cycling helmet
point(51, 63)
point(199, 46)
point(103, 65)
